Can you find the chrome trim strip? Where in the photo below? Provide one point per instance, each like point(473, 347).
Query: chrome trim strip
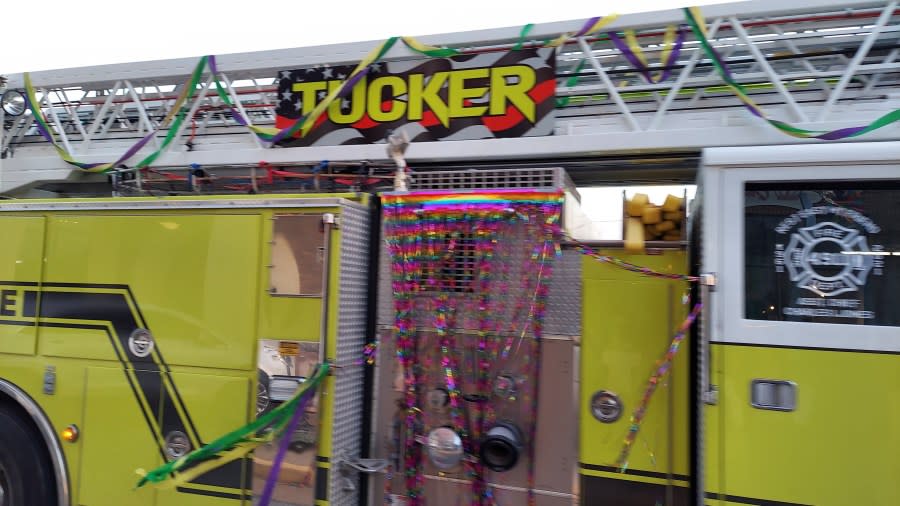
point(60, 470)
point(129, 204)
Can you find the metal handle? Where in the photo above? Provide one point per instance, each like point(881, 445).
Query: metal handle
point(709, 393)
point(328, 224)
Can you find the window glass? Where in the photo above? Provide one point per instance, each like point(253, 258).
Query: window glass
point(824, 252)
point(298, 255)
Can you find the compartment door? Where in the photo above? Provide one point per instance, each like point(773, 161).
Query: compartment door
point(215, 405)
point(805, 335)
point(20, 272)
point(629, 321)
point(116, 440)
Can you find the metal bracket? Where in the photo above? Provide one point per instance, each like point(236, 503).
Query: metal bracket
point(50, 380)
point(347, 466)
point(711, 396)
point(331, 219)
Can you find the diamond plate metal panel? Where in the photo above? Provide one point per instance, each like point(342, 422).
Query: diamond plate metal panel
point(351, 336)
point(564, 300)
point(487, 179)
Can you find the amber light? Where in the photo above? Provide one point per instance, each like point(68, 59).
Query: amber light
point(70, 433)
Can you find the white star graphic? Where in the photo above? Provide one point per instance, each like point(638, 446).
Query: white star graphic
point(376, 67)
point(286, 95)
point(327, 73)
point(321, 95)
point(285, 74)
point(298, 105)
point(341, 76)
point(345, 104)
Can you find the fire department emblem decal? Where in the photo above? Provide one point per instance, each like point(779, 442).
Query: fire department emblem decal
point(828, 259)
point(140, 342)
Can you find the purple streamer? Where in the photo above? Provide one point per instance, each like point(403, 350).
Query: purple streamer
point(629, 55)
point(587, 26)
point(134, 149)
point(640, 66)
point(40, 124)
point(266, 496)
point(211, 60)
point(841, 133)
point(42, 128)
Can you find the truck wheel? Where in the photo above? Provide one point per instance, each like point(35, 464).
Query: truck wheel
point(263, 403)
point(26, 474)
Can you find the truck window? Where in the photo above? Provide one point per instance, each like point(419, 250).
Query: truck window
point(298, 246)
point(822, 252)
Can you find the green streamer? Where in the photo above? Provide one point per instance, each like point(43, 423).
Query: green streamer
point(274, 422)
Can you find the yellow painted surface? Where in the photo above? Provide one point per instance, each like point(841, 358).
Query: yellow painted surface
point(20, 260)
point(357, 197)
point(196, 279)
point(286, 317)
point(77, 343)
point(193, 277)
point(218, 405)
point(713, 475)
point(111, 454)
point(840, 446)
point(628, 324)
point(62, 408)
point(327, 420)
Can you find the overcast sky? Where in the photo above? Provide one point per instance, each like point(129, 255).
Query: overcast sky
point(53, 34)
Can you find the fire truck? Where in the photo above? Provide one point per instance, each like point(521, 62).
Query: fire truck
point(400, 227)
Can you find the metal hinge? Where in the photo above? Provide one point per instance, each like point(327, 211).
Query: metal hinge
point(50, 380)
point(711, 396)
point(331, 219)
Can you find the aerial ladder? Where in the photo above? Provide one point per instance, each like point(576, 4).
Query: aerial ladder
point(815, 65)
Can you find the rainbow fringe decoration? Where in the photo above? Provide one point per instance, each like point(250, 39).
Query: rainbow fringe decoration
point(422, 231)
point(238, 443)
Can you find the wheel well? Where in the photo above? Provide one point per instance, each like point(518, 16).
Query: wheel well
point(13, 399)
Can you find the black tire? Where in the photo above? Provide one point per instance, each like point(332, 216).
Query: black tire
point(262, 391)
point(26, 474)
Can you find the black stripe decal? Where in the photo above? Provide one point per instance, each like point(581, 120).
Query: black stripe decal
point(750, 500)
point(115, 308)
point(213, 493)
point(321, 483)
point(809, 348)
point(635, 472)
point(322, 458)
point(602, 491)
point(17, 323)
point(142, 322)
point(166, 369)
point(128, 378)
point(29, 304)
